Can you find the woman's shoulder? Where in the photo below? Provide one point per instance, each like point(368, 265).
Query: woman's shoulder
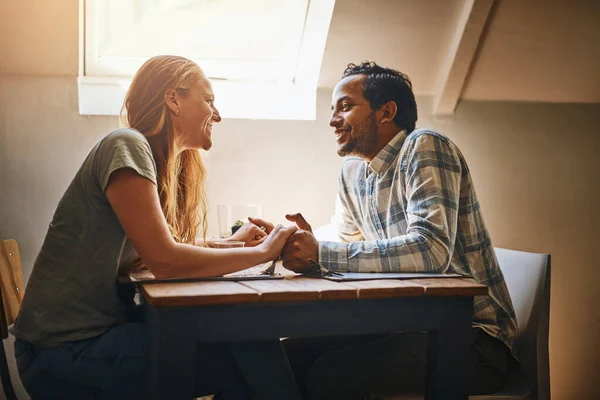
point(123, 141)
point(124, 135)
point(123, 147)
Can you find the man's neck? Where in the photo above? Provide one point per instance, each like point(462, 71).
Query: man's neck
point(383, 138)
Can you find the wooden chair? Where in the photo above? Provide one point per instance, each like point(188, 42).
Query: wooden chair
point(12, 288)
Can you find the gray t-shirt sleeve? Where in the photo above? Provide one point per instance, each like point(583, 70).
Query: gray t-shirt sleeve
point(124, 148)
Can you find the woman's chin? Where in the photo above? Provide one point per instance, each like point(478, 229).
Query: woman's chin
point(206, 146)
point(205, 143)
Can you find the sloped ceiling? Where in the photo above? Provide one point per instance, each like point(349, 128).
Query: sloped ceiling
point(535, 50)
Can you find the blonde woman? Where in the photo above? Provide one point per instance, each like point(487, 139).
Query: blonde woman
point(135, 202)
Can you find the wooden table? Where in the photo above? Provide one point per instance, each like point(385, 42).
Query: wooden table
point(179, 314)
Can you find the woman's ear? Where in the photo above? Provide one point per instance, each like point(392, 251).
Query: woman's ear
point(171, 101)
point(388, 111)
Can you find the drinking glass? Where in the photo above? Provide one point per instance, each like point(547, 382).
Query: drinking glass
point(232, 216)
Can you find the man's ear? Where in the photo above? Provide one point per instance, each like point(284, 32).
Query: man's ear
point(171, 101)
point(388, 112)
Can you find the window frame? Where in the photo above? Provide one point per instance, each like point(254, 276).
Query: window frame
point(101, 93)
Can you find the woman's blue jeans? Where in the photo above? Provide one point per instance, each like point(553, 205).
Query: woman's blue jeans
point(116, 365)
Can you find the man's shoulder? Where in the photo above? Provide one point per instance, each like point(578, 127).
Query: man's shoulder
point(425, 140)
point(421, 133)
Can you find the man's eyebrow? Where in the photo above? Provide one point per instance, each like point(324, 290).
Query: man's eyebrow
point(343, 98)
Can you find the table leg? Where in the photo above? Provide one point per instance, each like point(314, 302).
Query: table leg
point(173, 350)
point(448, 354)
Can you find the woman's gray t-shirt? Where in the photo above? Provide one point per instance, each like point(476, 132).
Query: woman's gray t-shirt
point(72, 293)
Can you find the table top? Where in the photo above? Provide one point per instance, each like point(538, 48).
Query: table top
point(299, 288)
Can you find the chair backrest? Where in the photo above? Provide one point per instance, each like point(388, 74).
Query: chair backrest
point(11, 284)
point(527, 277)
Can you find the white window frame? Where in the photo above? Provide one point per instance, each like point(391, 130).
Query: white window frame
point(289, 100)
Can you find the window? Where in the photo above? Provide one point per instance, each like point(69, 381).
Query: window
point(263, 56)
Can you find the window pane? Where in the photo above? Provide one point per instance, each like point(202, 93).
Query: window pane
point(230, 39)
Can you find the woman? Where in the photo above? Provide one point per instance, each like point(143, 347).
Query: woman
point(135, 202)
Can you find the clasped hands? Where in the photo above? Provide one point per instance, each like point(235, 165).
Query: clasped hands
point(301, 247)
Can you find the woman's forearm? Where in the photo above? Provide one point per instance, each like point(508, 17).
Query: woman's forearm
point(189, 261)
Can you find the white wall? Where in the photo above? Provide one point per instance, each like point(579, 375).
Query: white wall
point(287, 166)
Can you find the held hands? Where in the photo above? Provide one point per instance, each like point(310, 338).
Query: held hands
point(277, 238)
point(301, 247)
point(250, 233)
point(297, 218)
point(262, 224)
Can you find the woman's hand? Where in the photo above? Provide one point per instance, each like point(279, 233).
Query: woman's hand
point(262, 223)
point(249, 233)
point(277, 238)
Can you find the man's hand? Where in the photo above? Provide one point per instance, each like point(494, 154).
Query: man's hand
point(300, 222)
point(275, 241)
point(301, 247)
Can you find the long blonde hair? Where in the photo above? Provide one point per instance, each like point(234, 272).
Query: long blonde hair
point(181, 177)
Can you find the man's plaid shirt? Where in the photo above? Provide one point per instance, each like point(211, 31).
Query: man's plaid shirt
point(413, 208)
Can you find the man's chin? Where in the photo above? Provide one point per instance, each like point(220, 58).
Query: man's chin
point(344, 151)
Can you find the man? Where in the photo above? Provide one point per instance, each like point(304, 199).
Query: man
point(406, 203)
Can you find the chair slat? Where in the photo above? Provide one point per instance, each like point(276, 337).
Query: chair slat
point(11, 281)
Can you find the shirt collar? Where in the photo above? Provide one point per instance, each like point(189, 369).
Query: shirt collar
point(382, 161)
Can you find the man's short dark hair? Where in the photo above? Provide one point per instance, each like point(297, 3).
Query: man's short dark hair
point(384, 84)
